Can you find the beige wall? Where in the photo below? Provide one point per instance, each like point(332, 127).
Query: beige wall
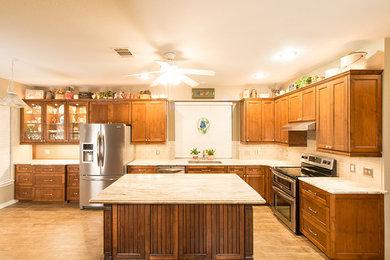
point(386, 144)
point(18, 152)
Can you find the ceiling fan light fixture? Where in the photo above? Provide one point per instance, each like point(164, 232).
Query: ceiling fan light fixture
point(144, 76)
point(259, 75)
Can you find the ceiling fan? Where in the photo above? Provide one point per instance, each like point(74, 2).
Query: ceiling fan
point(170, 73)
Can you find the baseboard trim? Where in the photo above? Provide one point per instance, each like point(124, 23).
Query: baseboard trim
point(8, 203)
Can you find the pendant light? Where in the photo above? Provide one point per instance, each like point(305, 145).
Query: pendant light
point(12, 99)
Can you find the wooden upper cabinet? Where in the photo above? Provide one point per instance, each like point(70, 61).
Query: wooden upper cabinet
point(295, 107)
point(309, 104)
point(110, 112)
point(32, 123)
point(283, 119)
point(98, 112)
point(278, 125)
point(301, 105)
point(252, 121)
point(268, 121)
point(149, 121)
point(349, 114)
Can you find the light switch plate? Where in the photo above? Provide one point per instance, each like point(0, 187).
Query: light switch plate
point(368, 171)
point(352, 167)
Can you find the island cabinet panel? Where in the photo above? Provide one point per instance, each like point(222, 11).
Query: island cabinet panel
point(255, 177)
point(178, 231)
point(195, 232)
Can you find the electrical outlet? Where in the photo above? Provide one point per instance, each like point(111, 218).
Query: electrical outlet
point(157, 152)
point(368, 171)
point(47, 151)
point(352, 167)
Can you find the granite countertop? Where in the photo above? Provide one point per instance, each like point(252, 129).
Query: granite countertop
point(179, 189)
point(336, 185)
point(50, 162)
point(225, 162)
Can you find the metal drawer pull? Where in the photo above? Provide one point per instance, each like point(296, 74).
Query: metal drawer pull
point(312, 210)
point(25, 179)
point(312, 192)
point(75, 193)
point(48, 194)
point(236, 170)
point(48, 180)
point(312, 232)
point(24, 193)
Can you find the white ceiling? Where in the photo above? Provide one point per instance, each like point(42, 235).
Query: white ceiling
point(69, 42)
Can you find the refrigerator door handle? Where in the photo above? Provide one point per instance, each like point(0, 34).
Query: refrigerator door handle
point(103, 151)
point(98, 148)
point(100, 179)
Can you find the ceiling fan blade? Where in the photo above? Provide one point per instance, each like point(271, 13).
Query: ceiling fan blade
point(192, 83)
point(164, 65)
point(198, 72)
point(157, 81)
point(143, 73)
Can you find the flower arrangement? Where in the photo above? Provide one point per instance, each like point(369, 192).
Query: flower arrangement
point(210, 154)
point(194, 152)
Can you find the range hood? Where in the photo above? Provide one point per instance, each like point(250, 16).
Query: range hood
point(300, 126)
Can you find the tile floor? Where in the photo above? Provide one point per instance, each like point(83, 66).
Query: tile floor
point(62, 231)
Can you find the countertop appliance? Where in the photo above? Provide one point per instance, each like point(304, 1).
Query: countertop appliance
point(166, 169)
point(104, 153)
point(285, 190)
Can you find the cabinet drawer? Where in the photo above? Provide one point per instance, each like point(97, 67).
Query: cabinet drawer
point(236, 169)
point(141, 169)
point(49, 168)
point(72, 193)
point(49, 179)
point(205, 169)
point(317, 211)
point(23, 193)
point(23, 168)
point(72, 168)
point(318, 236)
point(255, 170)
point(73, 179)
point(315, 193)
point(24, 179)
point(49, 194)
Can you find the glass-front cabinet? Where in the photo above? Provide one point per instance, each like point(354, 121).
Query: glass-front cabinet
point(55, 122)
point(77, 114)
point(32, 123)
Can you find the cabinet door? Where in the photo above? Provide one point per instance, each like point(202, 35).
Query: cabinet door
point(156, 117)
point(257, 182)
point(309, 104)
point(77, 114)
point(31, 123)
point(278, 126)
point(98, 112)
point(339, 117)
point(253, 121)
point(119, 112)
point(295, 107)
point(138, 123)
point(283, 119)
point(268, 121)
point(55, 122)
point(324, 109)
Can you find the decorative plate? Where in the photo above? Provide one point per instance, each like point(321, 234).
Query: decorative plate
point(203, 125)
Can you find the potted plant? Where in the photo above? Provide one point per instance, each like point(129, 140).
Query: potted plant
point(210, 154)
point(194, 153)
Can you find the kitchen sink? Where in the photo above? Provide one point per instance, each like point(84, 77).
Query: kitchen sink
point(203, 161)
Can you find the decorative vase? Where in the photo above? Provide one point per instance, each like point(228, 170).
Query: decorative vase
point(210, 157)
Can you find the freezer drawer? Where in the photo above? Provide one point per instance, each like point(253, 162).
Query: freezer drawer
point(90, 186)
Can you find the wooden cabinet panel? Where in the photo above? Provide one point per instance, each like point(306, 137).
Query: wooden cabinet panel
point(268, 121)
point(138, 130)
point(283, 119)
point(23, 193)
point(49, 168)
point(156, 121)
point(141, 169)
point(24, 168)
point(315, 234)
point(309, 104)
point(316, 194)
point(23, 179)
point(278, 125)
point(295, 107)
point(48, 194)
point(366, 114)
point(119, 112)
point(324, 108)
point(49, 179)
point(255, 169)
point(73, 168)
point(32, 122)
point(236, 169)
point(253, 121)
point(339, 116)
point(98, 112)
point(317, 211)
point(205, 169)
point(73, 179)
point(257, 182)
point(73, 193)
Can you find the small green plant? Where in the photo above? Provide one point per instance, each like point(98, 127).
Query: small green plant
point(210, 151)
point(195, 151)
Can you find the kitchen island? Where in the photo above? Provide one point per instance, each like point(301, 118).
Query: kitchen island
point(178, 216)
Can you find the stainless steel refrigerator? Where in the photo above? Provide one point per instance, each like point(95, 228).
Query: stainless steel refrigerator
point(105, 150)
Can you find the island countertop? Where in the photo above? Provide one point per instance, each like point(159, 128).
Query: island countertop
point(179, 189)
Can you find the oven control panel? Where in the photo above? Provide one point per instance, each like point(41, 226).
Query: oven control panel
point(318, 161)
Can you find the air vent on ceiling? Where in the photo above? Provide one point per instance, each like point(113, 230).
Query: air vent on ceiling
point(123, 52)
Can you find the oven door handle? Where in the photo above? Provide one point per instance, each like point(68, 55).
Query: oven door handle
point(282, 194)
point(282, 177)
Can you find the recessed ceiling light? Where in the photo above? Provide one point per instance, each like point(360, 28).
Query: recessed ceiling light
point(287, 54)
point(259, 75)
